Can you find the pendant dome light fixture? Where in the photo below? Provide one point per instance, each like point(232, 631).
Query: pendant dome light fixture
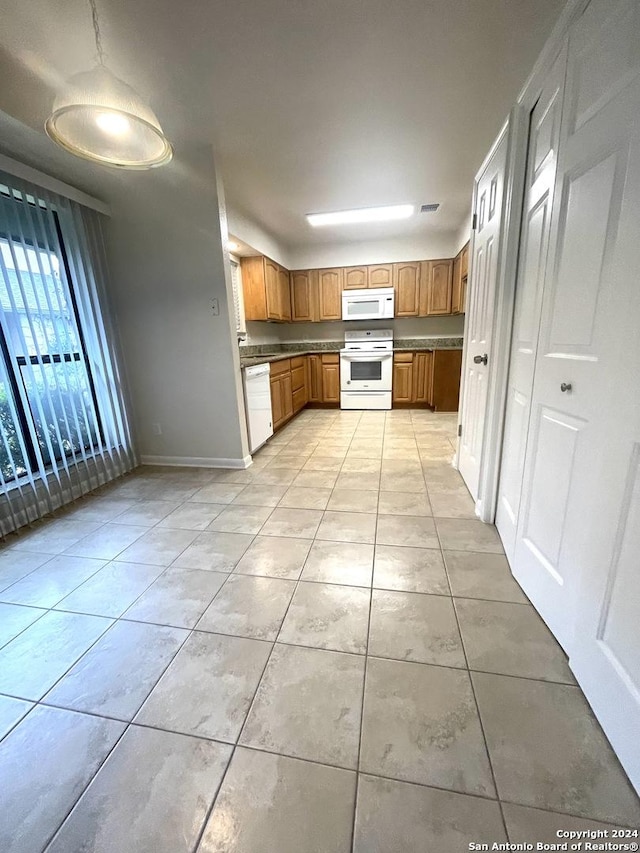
point(101, 118)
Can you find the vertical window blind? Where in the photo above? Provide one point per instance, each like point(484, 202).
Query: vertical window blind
point(63, 407)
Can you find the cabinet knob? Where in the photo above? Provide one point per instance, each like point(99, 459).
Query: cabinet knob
point(566, 386)
point(481, 359)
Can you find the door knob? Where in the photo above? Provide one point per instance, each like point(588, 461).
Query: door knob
point(481, 359)
point(566, 386)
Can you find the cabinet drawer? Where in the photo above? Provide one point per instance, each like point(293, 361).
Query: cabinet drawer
point(279, 367)
point(402, 356)
point(331, 358)
point(297, 377)
point(298, 361)
point(299, 399)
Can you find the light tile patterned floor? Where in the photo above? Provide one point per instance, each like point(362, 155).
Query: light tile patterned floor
point(322, 654)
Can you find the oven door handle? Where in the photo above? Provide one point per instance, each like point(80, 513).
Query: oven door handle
point(375, 357)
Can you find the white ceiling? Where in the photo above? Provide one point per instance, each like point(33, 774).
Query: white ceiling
point(311, 105)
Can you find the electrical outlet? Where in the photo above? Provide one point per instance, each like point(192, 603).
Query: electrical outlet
point(215, 307)
point(156, 429)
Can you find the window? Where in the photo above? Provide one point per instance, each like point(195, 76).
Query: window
point(44, 353)
point(63, 422)
point(238, 300)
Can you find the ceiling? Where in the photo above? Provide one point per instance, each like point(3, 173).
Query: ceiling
point(311, 105)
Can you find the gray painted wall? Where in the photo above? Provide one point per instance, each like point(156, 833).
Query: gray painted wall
point(167, 263)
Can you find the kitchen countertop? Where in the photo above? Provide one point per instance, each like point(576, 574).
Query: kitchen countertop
point(269, 354)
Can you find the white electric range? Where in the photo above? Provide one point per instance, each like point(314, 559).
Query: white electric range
point(366, 369)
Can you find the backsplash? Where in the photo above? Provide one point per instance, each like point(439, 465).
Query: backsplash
point(414, 328)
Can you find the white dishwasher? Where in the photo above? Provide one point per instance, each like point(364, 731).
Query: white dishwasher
point(257, 396)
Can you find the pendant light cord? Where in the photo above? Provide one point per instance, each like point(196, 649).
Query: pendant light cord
point(96, 31)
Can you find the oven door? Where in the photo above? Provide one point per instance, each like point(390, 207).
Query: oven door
point(366, 371)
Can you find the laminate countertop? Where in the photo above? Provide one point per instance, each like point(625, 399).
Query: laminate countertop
point(414, 345)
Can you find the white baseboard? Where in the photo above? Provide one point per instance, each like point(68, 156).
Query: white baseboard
point(196, 461)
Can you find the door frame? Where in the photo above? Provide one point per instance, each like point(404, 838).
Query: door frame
point(517, 126)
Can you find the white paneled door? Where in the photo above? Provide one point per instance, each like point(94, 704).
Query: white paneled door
point(480, 316)
point(578, 517)
point(544, 136)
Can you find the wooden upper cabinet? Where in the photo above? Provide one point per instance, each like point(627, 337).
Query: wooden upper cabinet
point(284, 294)
point(438, 287)
point(272, 289)
point(304, 296)
point(456, 297)
point(262, 289)
point(330, 294)
point(406, 283)
point(464, 261)
point(460, 274)
point(355, 278)
point(380, 275)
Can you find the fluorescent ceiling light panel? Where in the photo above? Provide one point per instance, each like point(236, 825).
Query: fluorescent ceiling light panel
point(363, 214)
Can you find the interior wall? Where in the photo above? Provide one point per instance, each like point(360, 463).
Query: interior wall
point(406, 327)
point(464, 233)
point(254, 235)
point(423, 247)
point(167, 264)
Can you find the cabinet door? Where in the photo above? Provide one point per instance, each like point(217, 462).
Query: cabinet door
point(403, 377)
point(284, 293)
point(330, 383)
point(330, 286)
point(277, 408)
point(298, 376)
point(439, 287)
point(355, 278)
point(272, 289)
point(456, 297)
point(380, 275)
point(253, 288)
point(447, 367)
point(304, 296)
point(406, 283)
point(315, 378)
point(464, 262)
point(422, 377)
point(287, 395)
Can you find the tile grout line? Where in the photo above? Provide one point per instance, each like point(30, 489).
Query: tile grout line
point(475, 698)
point(299, 580)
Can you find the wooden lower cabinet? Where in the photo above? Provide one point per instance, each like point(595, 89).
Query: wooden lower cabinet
point(281, 392)
point(403, 390)
point(299, 386)
point(330, 378)
point(446, 370)
point(427, 378)
point(422, 377)
point(314, 369)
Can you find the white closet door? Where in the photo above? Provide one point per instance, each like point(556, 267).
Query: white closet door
point(544, 136)
point(578, 364)
point(489, 192)
point(592, 322)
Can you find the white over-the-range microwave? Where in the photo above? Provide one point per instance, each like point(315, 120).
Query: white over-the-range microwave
point(375, 304)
